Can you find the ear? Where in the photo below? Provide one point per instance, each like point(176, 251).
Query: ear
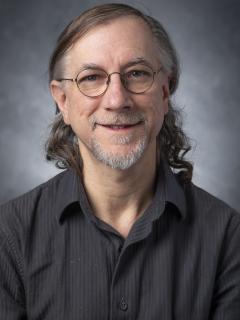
point(59, 95)
point(165, 97)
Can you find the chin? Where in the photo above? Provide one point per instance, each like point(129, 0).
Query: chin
point(116, 159)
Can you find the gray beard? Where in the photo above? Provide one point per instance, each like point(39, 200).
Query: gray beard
point(118, 161)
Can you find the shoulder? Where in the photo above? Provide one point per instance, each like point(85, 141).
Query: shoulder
point(203, 200)
point(210, 212)
point(21, 210)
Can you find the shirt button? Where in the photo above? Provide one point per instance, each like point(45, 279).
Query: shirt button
point(123, 305)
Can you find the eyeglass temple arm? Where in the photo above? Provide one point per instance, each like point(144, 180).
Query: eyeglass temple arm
point(157, 71)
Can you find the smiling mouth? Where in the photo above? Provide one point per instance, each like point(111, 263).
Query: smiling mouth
point(120, 126)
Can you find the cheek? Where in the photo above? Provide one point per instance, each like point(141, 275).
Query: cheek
point(81, 108)
point(158, 118)
point(155, 114)
point(79, 113)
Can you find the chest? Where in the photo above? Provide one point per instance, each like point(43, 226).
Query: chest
point(88, 276)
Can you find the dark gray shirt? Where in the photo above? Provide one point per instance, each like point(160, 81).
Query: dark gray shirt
point(180, 261)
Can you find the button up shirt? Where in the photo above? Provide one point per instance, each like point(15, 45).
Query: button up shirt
point(180, 260)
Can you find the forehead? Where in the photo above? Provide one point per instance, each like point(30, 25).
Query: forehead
point(115, 43)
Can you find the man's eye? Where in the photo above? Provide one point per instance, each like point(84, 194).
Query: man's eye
point(91, 78)
point(137, 74)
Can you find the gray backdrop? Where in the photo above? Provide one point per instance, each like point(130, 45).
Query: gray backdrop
point(206, 35)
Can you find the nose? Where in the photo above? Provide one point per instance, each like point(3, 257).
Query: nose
point(116, 96)
point(109, 77)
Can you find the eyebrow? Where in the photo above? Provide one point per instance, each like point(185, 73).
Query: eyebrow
point(138, 60)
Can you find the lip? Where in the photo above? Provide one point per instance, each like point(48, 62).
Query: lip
point(120, 127)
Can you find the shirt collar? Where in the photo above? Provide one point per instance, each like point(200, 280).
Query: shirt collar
point(174, 191)
point(71, 190)
point(68, 191)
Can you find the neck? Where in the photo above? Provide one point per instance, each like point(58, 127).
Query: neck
point(119, 197)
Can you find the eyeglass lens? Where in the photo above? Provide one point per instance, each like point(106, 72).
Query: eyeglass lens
point(94, 82)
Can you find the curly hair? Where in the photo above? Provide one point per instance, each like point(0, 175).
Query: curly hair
point(62, 146)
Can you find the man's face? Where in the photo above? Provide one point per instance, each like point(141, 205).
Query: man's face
point(118, 128)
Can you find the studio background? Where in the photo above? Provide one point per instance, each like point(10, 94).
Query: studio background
point(206, 35)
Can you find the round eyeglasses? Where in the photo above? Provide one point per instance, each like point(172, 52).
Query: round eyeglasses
point(93, 82)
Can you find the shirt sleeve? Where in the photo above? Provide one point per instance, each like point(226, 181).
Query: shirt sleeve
point(226, 300)
point(11, 287)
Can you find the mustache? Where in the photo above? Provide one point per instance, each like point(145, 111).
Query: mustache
point(121, 118)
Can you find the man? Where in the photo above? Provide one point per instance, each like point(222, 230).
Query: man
point(122, 233)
